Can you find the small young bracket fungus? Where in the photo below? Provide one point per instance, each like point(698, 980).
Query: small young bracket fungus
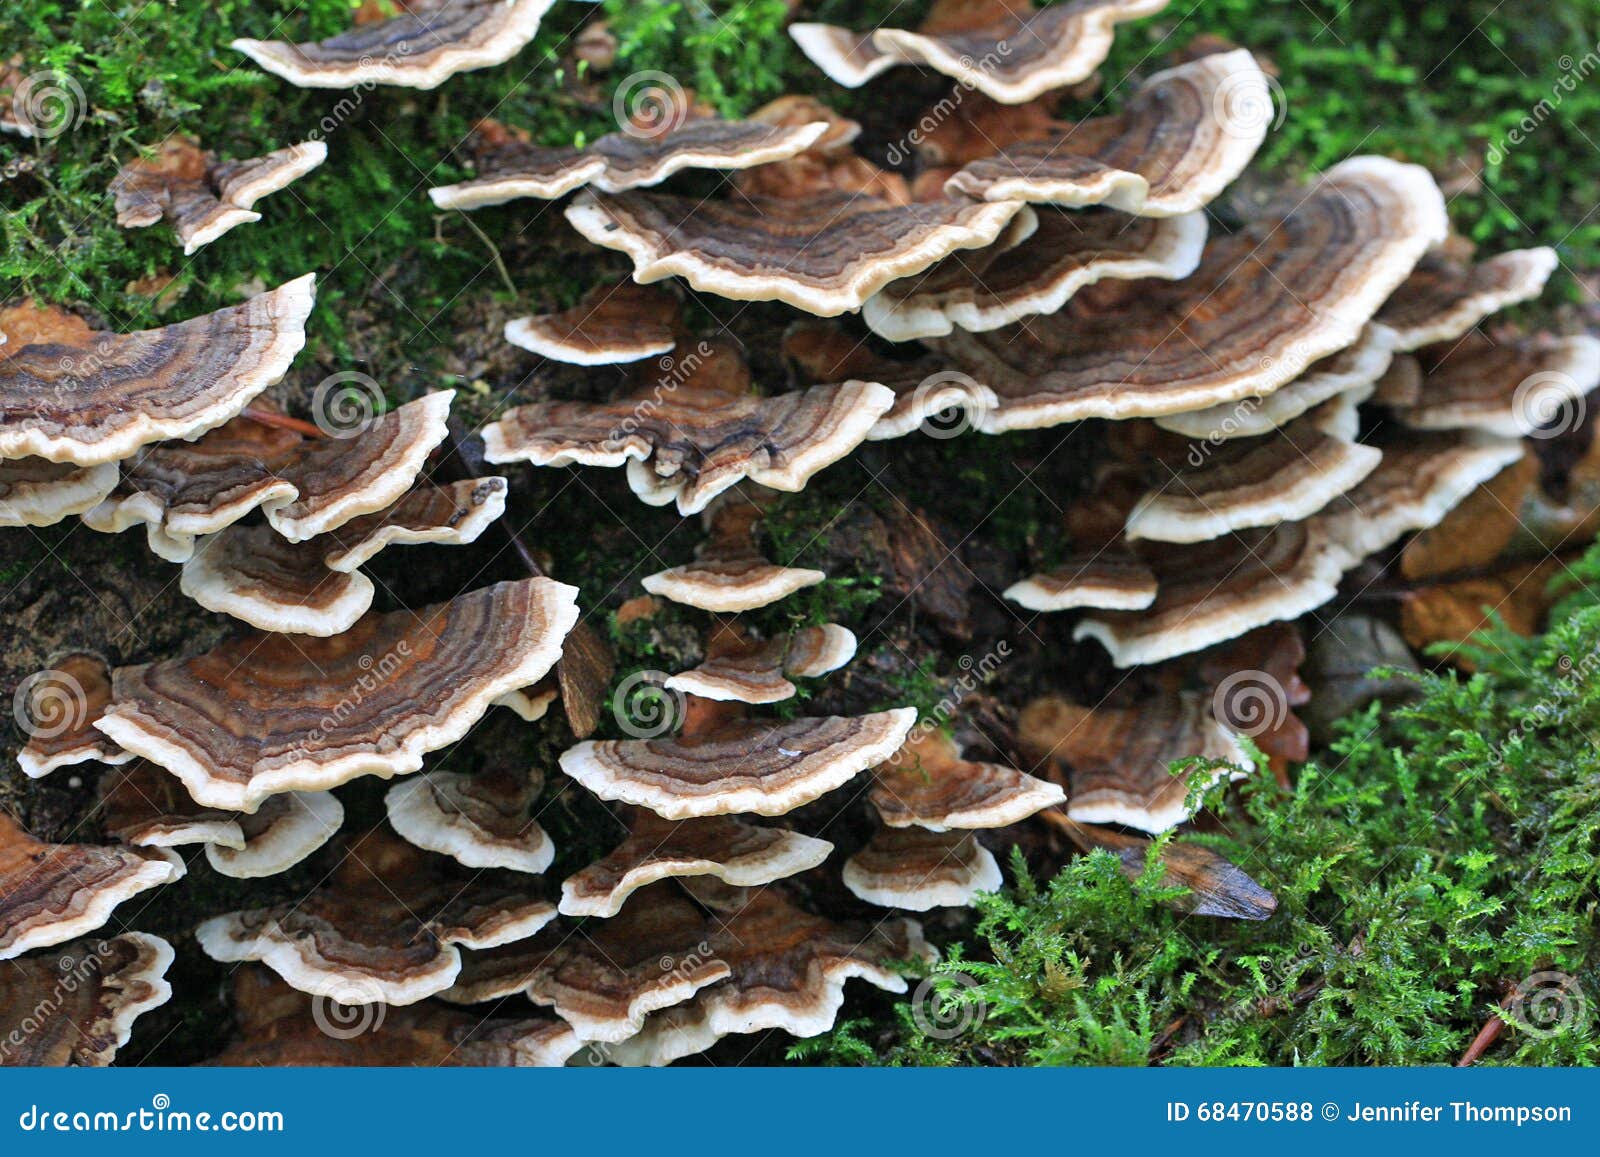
point(481, 821)
point(788, 972)
point(263, 714)
point(69, 394)
point(281, 833)
point(1213, 591)
point(52, 893)
point(825, 253)
point(1289, 474)
point(611, 325)
point(728, 573)
point(695, 430)
point(279, 1026)
point(928, 785)
point(1116, 759)
point(452, 515)
point(1006, 49)
point(1177, 143)
point(748, 670)
point(732, 850)
point(34, 492)
point(1509, 388)
point(76, 1005)
point(59, 707)
point(765, 767)
point(141, 805)
point(918, 869)
point(1443, 300)
point(604, 978)
point(1351, 373)
point(388, 926)
point(1216, 886)
point(1107, 579)
point(422, 46)
point(201, 197)
point(1040, 273)
point(306, 486)
point(1265, 303)
point(509, 167)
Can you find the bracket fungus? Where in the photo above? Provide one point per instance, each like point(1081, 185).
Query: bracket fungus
point(509, 167)
point(58, 707)
point(691, 431)
point(52, 893)
point(281, 1026)
point(35, 492)
point(1007, 49)
point(729, 573)
point(927, 784)
point(77, 1005)
point(421, 46)
point(823, 253)
point(480, 821)
point(202, 197)
point(1116, 759)
point(1106, 579)
point(1176, 144)
point(917, 869)
point(264, 713)
point(1442, 299)
point(71, 394)
point(611, 325)
point(388, 926)
point(748, 670)
point(732, 850)
point(1265, 303)
point(1508, 388)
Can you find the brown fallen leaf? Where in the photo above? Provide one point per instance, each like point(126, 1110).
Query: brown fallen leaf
point(1450, 612)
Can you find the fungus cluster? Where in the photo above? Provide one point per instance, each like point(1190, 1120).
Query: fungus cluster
point(1025, 270)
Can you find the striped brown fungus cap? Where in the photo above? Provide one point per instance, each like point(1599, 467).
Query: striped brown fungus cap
point(387, 927)
point(918, 869)
point(729, 573)
point(693, 428)
point(409, 43)
point(729, 765)
point(266, 713)
point(1036, 271)
point(313, 587)
point(72, 394)
point(1115, 760)
point(52, 893)
point(36, 492)
point(201, 197)
point(1177, 143)
point(825, 252)
point(280, 1026)
point(1508, 388)
point(58, 708)
point(77, 1005)
point(509, 166)
point(1108, 579)
point(610, 325)
point(788, 970)
point(306, 486)
point(1006, 49)
point(748, 670)
point(1264, 304)
point(1444, 299)
point(603, 978)
point(733, 850)
point(927, 784)
point(484, 820)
